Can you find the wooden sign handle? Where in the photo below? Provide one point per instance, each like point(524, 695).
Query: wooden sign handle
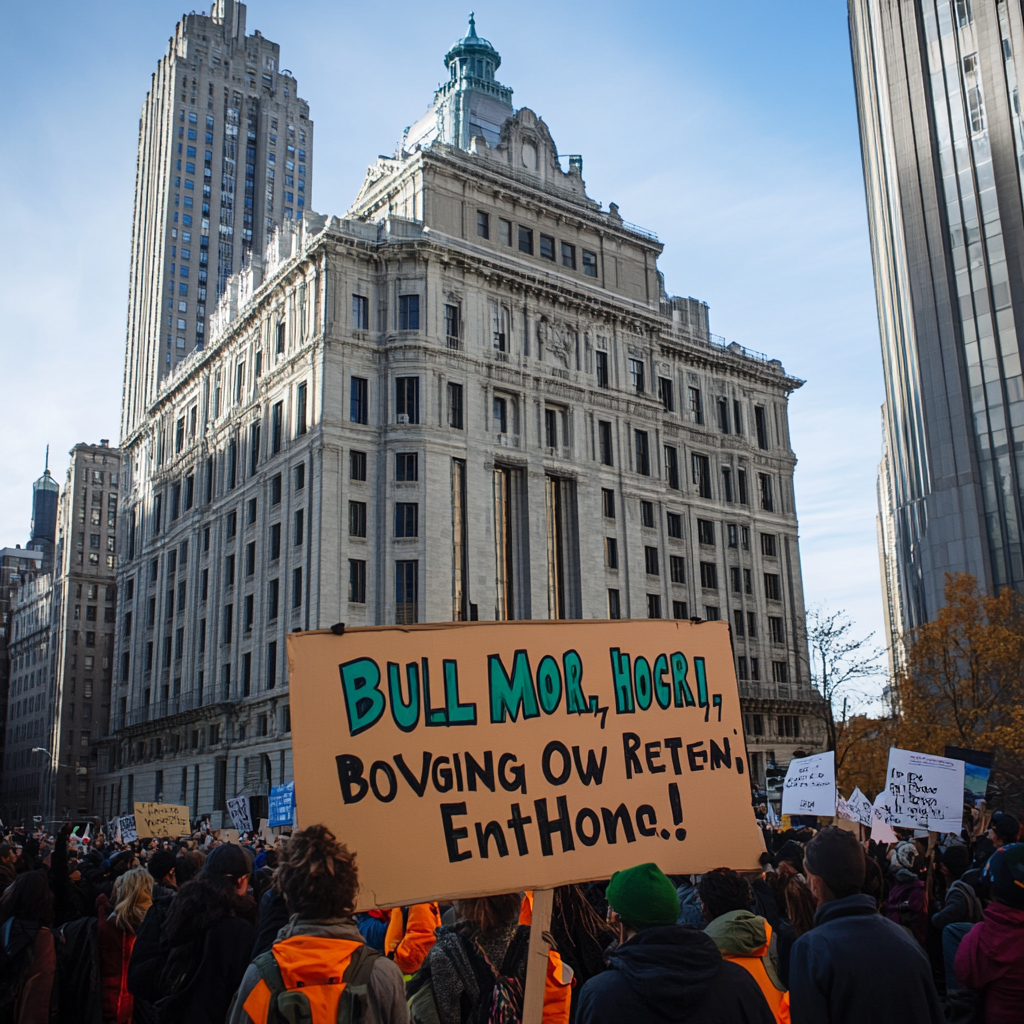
point(537, 958)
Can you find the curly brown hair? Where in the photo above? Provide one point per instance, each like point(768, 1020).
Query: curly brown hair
point(317, 874)
point(490, 914)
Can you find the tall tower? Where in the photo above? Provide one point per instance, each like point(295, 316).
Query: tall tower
point(225, 156)
point(943, 148)
point(45, 496)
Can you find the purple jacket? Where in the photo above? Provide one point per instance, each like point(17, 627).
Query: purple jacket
point(991, 958)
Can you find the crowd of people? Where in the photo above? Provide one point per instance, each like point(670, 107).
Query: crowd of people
point(832, 929)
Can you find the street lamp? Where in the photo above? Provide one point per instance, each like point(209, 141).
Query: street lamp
point(51, 781)
point(60, 764)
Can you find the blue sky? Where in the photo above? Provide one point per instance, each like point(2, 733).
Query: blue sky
point(729, 129)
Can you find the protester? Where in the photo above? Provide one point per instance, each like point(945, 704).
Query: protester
point(410, 935)
point(742, 937)
point(29, 963)
point(691, 911)
point(581, 937)
point(162, 866)
point(1003, 829)
point(855, 965)
point(991, 955)
point(118, 926)
point(795, 901)
point(907, 903)
point(485, 944)
point(8, 859)
point(208, 936)
point(662, 971)
point(318, 878)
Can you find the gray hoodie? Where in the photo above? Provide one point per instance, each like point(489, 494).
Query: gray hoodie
point(387, 987)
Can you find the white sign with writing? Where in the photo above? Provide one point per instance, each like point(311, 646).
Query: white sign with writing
point(127, 827)
point(810, 786)
point(238, 808)
point(924, 791)
point(860, 806)
point(881, 829)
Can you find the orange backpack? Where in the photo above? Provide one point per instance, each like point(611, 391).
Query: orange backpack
point(307, 979)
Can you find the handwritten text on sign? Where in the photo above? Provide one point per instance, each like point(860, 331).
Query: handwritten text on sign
point(521, 755)
point(924, 791)
point(810, 786)
point(160, 820)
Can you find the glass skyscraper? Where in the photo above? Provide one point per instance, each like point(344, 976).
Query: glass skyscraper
point(943, 150)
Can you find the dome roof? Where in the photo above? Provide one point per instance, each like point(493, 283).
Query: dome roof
point(472, 45)
point(46, 483)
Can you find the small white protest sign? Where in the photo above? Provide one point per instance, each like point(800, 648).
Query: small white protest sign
point(881, 830)
point(127, 826)
point(844, 811)
point(810, 786)
point(861, 807)
point(238, 808)
point(924, 791)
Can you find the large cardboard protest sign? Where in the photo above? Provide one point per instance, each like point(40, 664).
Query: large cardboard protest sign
point(810, 786)
point(477, 758)
point(155, 821)
point(923, 791)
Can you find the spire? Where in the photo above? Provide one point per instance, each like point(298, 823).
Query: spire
point(46, 465)
point(472, 27)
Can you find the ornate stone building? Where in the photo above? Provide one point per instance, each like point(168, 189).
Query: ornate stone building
point(470, 397)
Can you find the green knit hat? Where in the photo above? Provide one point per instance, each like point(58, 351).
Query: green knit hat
point(643, 897)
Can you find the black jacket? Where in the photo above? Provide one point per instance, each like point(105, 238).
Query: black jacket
point(856, 966)
point(273, 917)
point(669, 975)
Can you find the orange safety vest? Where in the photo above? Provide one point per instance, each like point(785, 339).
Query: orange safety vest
point(778, 1002)
point(557, 990)
point(311, 963)
point(408, 941)
point(526, 909)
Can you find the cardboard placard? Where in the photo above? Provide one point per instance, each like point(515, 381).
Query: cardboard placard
point(159, 821)
point(478, 758)
point(228, 835)
point(238, 808)
point(924, 791)
point(282, 805)
point(810, 786)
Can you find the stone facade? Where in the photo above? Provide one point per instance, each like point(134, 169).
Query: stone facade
point(470, 398)
point(224, 140)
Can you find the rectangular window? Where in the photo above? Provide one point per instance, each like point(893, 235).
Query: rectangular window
point(250, 511)
point(679, 610)
point(701, 472)
point(677, 567)
point(357, 518)
point(228, 621)
point(737, 417)
point(643, 453)
point(665, 393)
point(250, 611)
point(500, 414)
point(767, 500)
point(741, 481)
point(672, 467)
point(611, 553)
point(407, 399)
point(300, 409)
point(204, 582)
point(452, 325)
point(280, 338)
point(273, 599)
point(272, 665)
point(406, 519)
point(601, 365)
point(547, 248)
point(768, 545)
point(589, 263)
point(300, 476)
point(734, 579)
point(526, 240)
point(356, 465)
point(761, 425)
point(455, 419)
point(607, 503)
point(360, 313)
point(550, 428)
point(696, 407)
point(737, 622)
point(748, 581)
point(483, 224)
point(636, 375)
point(709, 575)
point(239, 382)
point(751, 625)
point(614, 608)
point(408, 312)
point(711, 612)
point(299, 527)
point(229, 571)
point(275, 542)
point(654, 606)
point(604, 442)
point(297, 588)
point(772, 588)
point(647, 514)
point(504, 231)
point(276, 427)
point(776, 629)
point(727, 493)
point(780, 674)
point(359, 400)
point(357, 581)
point(706, 532)
point(723, 415)
point(254, 447)
point(675, 525)
point(733, 535)
point(407, 466)
point(651, 560)
point(568, 255)
point(275, 490)
point(406, 592)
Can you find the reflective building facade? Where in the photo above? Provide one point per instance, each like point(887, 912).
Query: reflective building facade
point(943, 151)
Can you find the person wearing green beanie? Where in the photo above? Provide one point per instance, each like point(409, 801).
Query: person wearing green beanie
point(661, 971)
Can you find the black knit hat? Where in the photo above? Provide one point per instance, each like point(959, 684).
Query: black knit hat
point(228, 860)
